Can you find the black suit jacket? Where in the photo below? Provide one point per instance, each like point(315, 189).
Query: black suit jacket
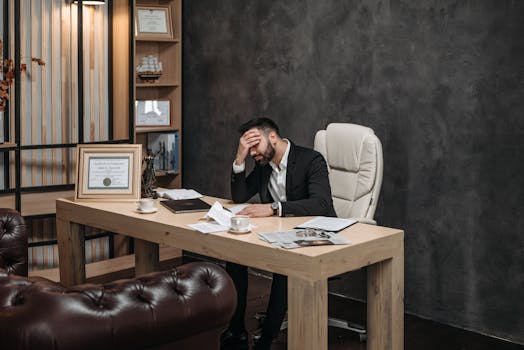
point(307, 184)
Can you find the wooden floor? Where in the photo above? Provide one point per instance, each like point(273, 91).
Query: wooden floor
point(419, 333)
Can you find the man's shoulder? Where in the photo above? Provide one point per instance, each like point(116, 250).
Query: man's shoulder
point(306, 152)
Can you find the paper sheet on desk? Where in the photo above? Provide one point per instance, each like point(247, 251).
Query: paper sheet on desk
point(221, 219)
point(290, 239)
point(208, 227)
point(237, 208)
point(219, 214)
point(328, 223)
point(179, 193)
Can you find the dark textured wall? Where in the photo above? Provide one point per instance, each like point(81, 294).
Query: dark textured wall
point(442, 84)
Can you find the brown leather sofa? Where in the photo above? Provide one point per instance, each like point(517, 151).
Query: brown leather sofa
point(185, 308)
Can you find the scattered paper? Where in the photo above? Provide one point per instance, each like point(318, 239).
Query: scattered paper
point(328, 223)
point(237, 208)
point(293, 239)
point(220, 215)
point(208, 227)
point(221, 219)
point(179, 193)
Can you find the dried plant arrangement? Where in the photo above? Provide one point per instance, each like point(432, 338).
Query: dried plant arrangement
point(8, 74)
point(7, 67)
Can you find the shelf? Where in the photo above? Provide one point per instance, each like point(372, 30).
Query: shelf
point(146, 129)
point(168, 87)
point(36, 203)
point(153, 85)
point(166, 173)
point(165, 40)
point(105, 271)
point(8, 145)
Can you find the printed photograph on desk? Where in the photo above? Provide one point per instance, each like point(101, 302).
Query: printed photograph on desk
point(164, 146)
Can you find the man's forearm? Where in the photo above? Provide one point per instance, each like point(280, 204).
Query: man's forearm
point(307, 207)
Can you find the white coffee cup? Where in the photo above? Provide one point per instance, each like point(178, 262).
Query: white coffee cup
point(240, 223)
point(145, 204)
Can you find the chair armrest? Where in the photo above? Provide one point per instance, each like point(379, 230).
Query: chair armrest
point(155, 309)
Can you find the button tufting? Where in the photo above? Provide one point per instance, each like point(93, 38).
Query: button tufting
point(18, 299)
point(142, 297)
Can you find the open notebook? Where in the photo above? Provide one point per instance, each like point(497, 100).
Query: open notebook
point(186, 205)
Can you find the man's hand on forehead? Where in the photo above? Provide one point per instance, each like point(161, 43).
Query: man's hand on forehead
point(252, 137)
point(253, 131)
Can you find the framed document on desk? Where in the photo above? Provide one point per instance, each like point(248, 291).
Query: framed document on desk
point(108, 172)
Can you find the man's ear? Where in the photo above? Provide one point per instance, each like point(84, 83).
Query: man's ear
point(273, 137)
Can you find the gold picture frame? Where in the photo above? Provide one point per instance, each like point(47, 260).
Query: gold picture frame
point(153, 22)
point(108, 172)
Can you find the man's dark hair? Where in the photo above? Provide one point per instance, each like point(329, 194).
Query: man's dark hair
point(265, 124)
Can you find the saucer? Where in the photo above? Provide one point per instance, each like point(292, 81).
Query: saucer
point(239, 232)
point(148, 211)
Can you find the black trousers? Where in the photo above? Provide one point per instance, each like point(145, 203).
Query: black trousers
point(276, 309)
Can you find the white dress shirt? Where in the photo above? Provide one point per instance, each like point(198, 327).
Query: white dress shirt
point(277, 179)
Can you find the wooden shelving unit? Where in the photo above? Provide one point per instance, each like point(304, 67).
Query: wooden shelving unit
point(168, 86)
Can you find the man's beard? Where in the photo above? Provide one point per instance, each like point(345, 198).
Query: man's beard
point(267, 156)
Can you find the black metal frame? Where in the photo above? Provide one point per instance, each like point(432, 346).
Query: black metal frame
point(5, 53)
point(18, 148)
point(18, 164)
point(80, 72)
point(131, 72)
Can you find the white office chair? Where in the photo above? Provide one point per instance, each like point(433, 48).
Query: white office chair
point(354, 157)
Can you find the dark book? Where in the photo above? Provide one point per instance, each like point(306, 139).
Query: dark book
point(186, 205)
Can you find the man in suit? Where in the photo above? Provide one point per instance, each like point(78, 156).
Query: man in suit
point(291, 181)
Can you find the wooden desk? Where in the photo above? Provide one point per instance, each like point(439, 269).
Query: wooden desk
point(379, 248)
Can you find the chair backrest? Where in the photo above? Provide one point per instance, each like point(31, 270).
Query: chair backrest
point(354, 157)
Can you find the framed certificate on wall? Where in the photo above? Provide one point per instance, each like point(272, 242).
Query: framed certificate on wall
point(153, 21)
point(108, 172)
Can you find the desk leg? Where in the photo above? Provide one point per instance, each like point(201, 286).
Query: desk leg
point(307, 314)
point(386, 305)
point(71, 252)
point(146, 257)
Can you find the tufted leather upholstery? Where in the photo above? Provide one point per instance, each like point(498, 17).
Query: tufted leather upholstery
point(354, 157)
point(185, 308)
point(13, 242)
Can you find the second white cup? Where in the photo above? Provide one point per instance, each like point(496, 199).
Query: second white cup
point(240, 223)
point(145, 204)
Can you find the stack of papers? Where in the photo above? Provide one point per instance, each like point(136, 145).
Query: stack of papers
point(179, 193)
point(294, 239)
